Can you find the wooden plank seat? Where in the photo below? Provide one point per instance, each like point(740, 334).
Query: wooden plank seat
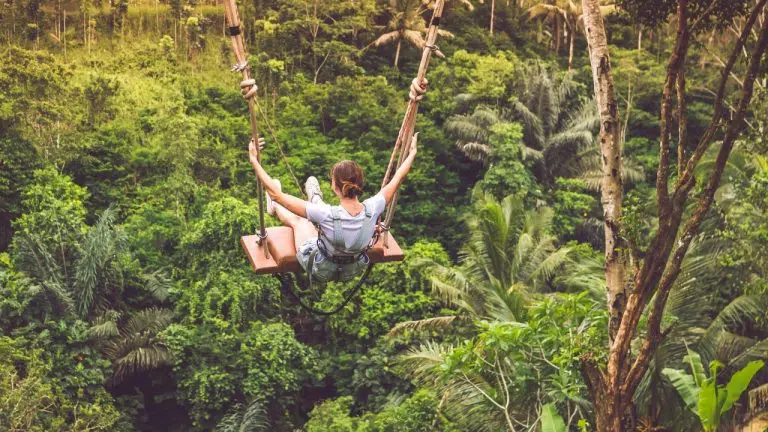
point(282, 251)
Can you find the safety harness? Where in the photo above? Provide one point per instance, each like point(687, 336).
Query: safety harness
point(342, 255)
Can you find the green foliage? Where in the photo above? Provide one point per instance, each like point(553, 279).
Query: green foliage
point(251, 418)
point(572, 207)
point(507, 175)
point(653, 13)
point(54, 210)
point(398, 293)
point(509, 257)
point(124, 189)
point(34, 398)
point(493, 376)
point(551, 420)
point(418, 412)
point(703, 395)
point(264, 363)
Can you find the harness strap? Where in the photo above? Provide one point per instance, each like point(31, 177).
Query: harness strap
point(338, 233)
point(366, 231)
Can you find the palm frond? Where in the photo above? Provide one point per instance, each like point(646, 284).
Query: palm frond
point(414, 38)
point(553, 262)
point(422, 361)
point(95, 266)
point(386, 38)
point(740, 312)
point(104, 327)
point(36, 259)
point(150, 320)
point(250, 418)
point(139, 356)
point(158, 284)
point(434, 323)
point(475, 151)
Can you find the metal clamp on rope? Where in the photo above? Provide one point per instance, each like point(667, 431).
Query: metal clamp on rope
point(240, 67)
point(260, 237)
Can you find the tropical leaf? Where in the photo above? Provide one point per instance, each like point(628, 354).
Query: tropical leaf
point(386, 38)
point(434, 323)
point(551, 420)
point(697, 369)
point(739, 383)
point(709, 403)
point(250, 418)
point(685, 386)
point(105, 326)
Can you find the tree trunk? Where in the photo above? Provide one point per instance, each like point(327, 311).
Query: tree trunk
point(610, 149)
point(493, 13)
point(609, 406)
point(397, 52)
point(571, 38)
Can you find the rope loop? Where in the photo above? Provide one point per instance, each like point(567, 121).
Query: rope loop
point(418, 89)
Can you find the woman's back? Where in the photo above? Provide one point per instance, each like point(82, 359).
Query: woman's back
point(329, 218)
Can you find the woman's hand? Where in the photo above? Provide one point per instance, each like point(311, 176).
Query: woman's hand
point(253, 154)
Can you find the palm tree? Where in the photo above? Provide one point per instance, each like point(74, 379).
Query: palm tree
point(250, 418)
point(132, 345)
point(568, 15)
point(406, 24)
point(509, 257)
point(562, 130)
point(97, 280)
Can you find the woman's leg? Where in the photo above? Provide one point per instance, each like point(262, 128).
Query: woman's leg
point(303, 229)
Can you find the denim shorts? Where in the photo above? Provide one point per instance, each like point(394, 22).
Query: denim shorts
point(323, 269)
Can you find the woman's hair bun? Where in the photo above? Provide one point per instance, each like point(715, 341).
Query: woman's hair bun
point(350, 189)
point(349, 178)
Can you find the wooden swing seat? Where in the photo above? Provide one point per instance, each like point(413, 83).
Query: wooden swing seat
point(282, 251)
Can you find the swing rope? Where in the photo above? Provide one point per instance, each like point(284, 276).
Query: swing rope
point(405, 135)
point(286, 283)
point(238, 47)
point(279, 147)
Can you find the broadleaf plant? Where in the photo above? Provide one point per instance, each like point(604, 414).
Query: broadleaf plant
point(702, 395)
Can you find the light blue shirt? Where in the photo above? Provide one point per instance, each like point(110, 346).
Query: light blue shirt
point(321, 214)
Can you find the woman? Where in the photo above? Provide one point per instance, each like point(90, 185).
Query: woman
point(344, 230)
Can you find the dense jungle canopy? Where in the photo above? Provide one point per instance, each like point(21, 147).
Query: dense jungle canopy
point(585, 224)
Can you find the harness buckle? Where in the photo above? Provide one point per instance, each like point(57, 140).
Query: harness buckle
point(260, 237)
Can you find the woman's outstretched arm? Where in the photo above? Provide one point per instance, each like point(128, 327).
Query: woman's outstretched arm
point(390, 188)
point(417, 93)
point(295, 205)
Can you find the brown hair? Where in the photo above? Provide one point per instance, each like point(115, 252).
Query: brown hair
point(349, 178)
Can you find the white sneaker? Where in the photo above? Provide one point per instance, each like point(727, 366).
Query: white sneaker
point(312, 188)
point(271, 204)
